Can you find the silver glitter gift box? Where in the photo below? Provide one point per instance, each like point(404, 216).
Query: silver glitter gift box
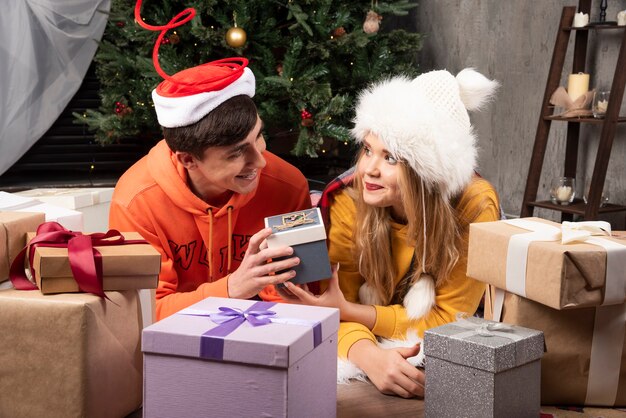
point(480, 368)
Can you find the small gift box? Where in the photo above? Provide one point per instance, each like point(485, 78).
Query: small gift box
point(528, 257)
point(70, 219)
point(239, 358)
point(479, 368)
point(304, 232)
point(121, 267)
point(13, 229)
point(70, 355)
point(92, 202)
point(585, 361)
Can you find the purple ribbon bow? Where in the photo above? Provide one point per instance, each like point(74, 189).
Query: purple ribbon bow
point(229, 319)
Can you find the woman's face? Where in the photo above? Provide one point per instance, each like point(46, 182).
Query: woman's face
point(380, 172)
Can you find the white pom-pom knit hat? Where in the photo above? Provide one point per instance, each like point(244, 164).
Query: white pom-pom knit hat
point(189, 95)
point(424, 121)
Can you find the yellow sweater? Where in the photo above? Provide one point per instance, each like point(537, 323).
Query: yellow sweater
point(458, 294)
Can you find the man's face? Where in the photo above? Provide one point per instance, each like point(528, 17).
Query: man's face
point(231, 168)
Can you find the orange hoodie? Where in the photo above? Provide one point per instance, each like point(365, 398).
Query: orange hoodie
point(153, 198)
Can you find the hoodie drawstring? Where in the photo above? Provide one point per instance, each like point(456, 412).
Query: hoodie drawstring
point(210, 210)
point(230, 239)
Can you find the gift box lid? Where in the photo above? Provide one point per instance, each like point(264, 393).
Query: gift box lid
point(71, 198)
point(295, 331)
point(296, 228)
point(117, 260)
point(10, 201)
point(486, 345)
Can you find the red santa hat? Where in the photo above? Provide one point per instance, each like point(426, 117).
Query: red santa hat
point(189, 95)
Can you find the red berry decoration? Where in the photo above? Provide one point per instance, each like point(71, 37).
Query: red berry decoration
point(120, 24)
point(305, 114)
point(120, 108)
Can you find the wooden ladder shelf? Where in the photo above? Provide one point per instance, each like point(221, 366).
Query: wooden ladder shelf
point(609, 123)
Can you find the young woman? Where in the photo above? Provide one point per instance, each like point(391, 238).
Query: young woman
point(399, 227)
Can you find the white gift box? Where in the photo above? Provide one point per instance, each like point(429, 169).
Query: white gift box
point(70, 219)
point(303, 231)
point(93, 203)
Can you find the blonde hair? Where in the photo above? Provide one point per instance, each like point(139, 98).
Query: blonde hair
point(444, 229)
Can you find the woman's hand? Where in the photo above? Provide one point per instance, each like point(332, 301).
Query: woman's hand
point(388, 369)
point(332, 298)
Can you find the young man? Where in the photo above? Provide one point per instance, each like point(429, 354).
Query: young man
point(201, 194)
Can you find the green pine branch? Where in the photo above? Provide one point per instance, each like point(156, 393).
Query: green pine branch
point(310, 54)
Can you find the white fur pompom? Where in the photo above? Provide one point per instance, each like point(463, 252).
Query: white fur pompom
point(475, 89)
point(368, 295)
point(420, 298)
point(347, 370)
point(411, 339)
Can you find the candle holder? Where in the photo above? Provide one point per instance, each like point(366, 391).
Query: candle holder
point(600, 103)
point(604, 200)
point(563, 190)
point(602, 19)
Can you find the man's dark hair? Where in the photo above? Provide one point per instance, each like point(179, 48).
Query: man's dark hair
point(227, 124)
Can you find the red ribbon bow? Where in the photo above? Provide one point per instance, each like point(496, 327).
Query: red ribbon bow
point(85, 261)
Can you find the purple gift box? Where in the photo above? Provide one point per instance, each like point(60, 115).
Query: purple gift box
point(233, 357)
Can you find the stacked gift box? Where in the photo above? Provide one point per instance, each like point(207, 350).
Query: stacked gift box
point(72, 354)
point(571, 289)
point(69, 218)
point(92, 202)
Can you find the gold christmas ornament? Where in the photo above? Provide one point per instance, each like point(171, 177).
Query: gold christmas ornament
point(372, 22)
point(236, 37)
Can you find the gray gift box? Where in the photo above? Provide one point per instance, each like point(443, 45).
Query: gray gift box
point(304, 232)
point(480, 368)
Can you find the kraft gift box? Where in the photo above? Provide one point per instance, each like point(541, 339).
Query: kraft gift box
point(562, 276)
point(478, 368)
point(13, 229)
point(70, 219)
point(585, 361)
point(304, 232)
point(92, 202)
point(195, 366)
point(70, 355)
point(124, 267)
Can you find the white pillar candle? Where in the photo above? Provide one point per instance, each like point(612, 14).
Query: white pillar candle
point(580, 20)
point(577, 85)
point(621, 18)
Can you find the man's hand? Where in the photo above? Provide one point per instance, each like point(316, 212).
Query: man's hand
point(254, 272)
point(388, 369)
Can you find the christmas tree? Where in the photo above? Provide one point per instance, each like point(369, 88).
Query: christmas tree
point(310, 58)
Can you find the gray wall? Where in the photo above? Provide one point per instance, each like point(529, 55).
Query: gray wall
point(512, 41)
